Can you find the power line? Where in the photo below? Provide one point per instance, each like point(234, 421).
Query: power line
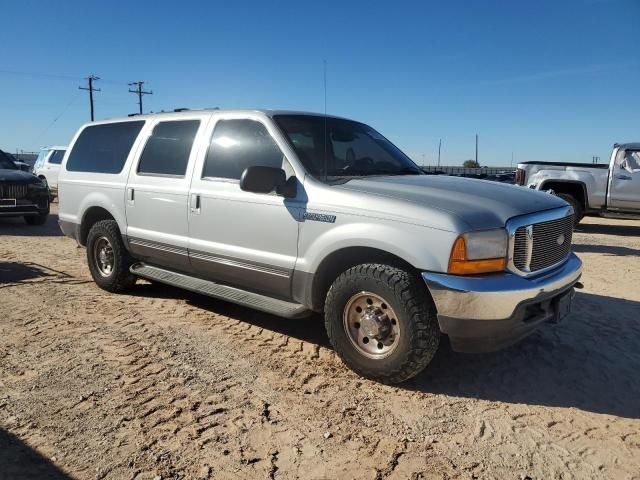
point(139, 92)
point(91, 78)
point(58, 117)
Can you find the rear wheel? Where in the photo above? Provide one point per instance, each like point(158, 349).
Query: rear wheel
point(382, 322)
point(108, 258)
point(578, 209)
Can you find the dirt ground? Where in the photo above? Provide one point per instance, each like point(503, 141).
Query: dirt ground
point(161, 383)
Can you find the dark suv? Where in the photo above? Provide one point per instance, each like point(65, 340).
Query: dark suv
point(22, 194)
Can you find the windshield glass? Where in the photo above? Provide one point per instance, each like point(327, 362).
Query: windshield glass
point(6, 163)
point(351, 149)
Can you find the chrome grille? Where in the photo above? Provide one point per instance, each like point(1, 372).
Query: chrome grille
point(537, 246)
point(13, 190)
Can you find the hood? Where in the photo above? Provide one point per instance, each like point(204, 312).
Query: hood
point(481, 204)
point(17, 176)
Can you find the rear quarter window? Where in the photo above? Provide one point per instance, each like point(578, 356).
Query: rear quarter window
point(103, 148)
point(56, 157)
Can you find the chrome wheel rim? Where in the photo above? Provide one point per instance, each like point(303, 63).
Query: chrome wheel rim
point(371, 325)
point(103, 256)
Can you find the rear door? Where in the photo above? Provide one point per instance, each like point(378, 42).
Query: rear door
point(52, 167)
point(241, 238)
point(625, 181)
point(158, 191)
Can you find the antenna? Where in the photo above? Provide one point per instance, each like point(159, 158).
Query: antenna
point(439, 148)
point(324, 73)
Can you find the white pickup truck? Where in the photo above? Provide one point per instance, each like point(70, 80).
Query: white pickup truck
point(590, 188)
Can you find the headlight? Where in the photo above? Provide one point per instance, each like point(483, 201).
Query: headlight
point(479, 252)
point(37, 185)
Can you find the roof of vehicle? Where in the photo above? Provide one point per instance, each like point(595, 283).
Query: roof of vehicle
point(188, 111)
point(628, 146)
point(568, 164)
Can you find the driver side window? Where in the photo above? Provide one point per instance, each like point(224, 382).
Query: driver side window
point(238, 144)
point(632, 158)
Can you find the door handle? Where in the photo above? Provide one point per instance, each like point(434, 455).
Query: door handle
point(195, 203)
point(623, 177)
point(131, 195)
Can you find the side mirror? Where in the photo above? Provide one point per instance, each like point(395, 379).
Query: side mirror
point(260, 179)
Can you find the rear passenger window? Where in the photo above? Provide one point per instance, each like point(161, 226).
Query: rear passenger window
point(238, 144)
point(56, 157)
point(103, 148)
point(168, 148)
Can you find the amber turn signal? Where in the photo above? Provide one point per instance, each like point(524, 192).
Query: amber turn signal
point(459, 265)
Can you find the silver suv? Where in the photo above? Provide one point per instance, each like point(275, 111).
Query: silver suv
point(292, 213)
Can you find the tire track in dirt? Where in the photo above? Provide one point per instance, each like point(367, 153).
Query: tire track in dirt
point(163, 382)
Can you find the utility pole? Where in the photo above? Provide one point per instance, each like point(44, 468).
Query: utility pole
point(91, 78)
point(511, 160)
point(477, 164)
point(139, 92)
point(439, 148)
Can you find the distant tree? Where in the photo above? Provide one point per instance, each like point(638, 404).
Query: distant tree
point(471, 164)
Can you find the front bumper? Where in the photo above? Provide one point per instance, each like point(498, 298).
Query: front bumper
point(489, 312)
point(25, 207)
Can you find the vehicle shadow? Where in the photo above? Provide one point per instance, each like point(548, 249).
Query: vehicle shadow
point(308, 329)
point(18, 460)
point(604, 229)
point(611, 250)
point(16, 226)
point(589, 362)
point(17, 272)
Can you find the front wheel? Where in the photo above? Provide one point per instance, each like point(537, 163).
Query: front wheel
point(578, 210)
point(382, 322)
point(108, 258)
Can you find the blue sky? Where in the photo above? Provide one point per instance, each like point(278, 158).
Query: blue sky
point(547, 80)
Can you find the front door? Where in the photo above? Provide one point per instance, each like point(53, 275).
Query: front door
point(240, 238)
point(157, 193)
point(625, 181)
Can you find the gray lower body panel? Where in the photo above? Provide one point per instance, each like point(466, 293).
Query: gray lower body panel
point(223, 292)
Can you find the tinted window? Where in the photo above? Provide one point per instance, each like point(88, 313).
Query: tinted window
point(103, 148)
point(342, 148)
point(6, 163)
point(238, 144)
point(168, 148)
point(56, 157)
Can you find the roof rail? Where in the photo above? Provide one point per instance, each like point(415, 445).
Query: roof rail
point(181, 109)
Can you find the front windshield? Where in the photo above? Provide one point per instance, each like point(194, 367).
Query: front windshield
point(6, 162)
point(351, 149)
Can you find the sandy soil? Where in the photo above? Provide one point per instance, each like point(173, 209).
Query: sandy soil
point(160, 383)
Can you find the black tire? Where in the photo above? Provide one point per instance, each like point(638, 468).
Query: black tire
point(419, 335)
point(578, 209)
point(39, 219)
point(119, 278)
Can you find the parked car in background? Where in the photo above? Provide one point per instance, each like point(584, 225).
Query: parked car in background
point(25, 167)
point(291, 213)
point(47, 166)
point(590, 188)
point(22, 194)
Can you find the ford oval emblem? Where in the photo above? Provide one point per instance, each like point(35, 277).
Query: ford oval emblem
point(560, 239)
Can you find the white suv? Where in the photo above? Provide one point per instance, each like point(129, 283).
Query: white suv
point(47, 165)
point(291, 213)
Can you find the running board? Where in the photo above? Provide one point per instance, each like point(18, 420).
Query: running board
point(256, 301)
point(620, 215)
